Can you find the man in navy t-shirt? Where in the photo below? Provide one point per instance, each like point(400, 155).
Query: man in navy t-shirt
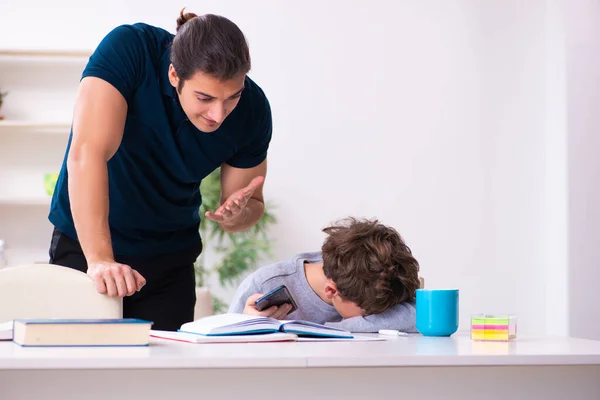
point(155, 114)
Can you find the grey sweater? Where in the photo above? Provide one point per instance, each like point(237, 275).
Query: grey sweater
point(310, 306)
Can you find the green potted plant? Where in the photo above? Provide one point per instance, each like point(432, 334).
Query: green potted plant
point(2, 97)
point(238, 253)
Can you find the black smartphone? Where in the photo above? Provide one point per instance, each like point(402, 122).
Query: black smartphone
point(276, 297)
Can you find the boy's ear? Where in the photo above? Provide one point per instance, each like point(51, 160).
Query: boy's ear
point(330, 289)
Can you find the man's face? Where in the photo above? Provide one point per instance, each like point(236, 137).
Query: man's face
point(206, 100)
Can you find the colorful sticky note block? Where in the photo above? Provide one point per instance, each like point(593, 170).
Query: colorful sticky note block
point(493, 327)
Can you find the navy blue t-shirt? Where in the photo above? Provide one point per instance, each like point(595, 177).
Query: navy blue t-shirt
point(154, 177)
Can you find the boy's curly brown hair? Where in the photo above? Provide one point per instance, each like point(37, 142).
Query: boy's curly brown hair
point(370, 264)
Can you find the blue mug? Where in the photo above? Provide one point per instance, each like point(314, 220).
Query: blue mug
point(437, 311)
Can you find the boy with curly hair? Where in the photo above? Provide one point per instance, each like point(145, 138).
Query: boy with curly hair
point(364, 279)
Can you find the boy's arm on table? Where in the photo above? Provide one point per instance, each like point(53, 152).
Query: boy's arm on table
point(401, 317)
point(247, 288)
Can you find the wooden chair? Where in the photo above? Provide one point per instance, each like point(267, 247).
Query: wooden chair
point(52, 291)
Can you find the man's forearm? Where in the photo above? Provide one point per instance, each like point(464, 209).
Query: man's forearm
point(88, 193)
point(249, 216)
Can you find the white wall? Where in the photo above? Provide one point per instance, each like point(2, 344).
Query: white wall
point(38, 91)
point(430, 115)
point(555, 231)
point(583, 83)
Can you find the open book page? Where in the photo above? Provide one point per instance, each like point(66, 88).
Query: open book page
point(239, 324)
point(231, 324)
point(311, 324)
point(6, 329)
point(313, 329)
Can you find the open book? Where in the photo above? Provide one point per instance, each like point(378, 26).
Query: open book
point(240, 324)
point(195, 338)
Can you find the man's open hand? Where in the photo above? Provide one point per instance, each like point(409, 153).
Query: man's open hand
point(236, 203)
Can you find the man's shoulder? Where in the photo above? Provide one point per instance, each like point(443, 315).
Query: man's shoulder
point(253, 89)
point(148, 38)
point(154, 35)
point(253, 103)
point(149, 32)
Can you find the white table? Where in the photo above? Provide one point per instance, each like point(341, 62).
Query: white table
point(415, 366)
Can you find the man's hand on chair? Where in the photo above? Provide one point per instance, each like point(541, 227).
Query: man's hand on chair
point(115, 279)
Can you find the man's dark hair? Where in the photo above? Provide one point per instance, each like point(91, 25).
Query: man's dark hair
point(211, 44)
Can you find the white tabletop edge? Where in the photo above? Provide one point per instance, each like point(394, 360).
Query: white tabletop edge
point(463, 361)
point(99, 364)
point(397, 352)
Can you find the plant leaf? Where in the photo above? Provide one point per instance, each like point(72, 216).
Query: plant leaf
point(241, 252)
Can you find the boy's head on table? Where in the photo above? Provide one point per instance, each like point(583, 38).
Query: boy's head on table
point(367, 268)
point(364, 268)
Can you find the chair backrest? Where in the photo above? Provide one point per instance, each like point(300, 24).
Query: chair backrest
point(52, 291)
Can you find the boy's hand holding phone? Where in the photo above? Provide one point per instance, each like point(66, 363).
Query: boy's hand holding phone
point(272, 312)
